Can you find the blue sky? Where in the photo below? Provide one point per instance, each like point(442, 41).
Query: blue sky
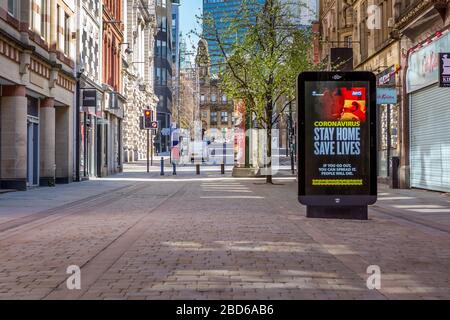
point(188, 10)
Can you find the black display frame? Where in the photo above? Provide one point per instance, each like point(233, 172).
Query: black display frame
point(336, 200)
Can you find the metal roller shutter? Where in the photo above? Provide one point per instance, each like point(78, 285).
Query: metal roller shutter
point(430, 138)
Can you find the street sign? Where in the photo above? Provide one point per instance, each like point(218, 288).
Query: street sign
point(337, 143)
point(444, 70)
point(165, 131)
point(154, 125)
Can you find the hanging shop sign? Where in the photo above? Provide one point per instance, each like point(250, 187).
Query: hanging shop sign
point(387, 77)
point(89, 98)
point(337, 139)
point(444, 70)
point(386, 95)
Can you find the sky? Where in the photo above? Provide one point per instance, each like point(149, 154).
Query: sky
point(188, 11)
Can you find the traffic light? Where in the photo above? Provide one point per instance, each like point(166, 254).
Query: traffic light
point(147, 119)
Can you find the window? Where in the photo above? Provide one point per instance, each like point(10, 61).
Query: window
point(224, 98)
point(66, 35)
point(31, 16)
point(214, 117)
point(58, 25)
point(348, 41)
point(163, 48)
point(158, 75)
point(202, 98)
point(43, 28)
point(213, 98)
point(158, 48)
point(162, 24)
point(163, 76)
point(224, 117)
point(12, 7)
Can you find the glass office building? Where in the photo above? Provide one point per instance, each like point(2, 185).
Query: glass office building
point(305, 11)
point(163, 73)
point(221, 11)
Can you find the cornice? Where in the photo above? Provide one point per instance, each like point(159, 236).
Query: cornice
point(413, 13)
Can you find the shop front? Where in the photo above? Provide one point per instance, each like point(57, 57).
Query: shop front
point(429, 115)
point(385, 64)
point(388, 119)
point(90, 133)
point(112, 128)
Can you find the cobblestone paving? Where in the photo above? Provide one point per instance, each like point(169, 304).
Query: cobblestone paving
point(209, 237)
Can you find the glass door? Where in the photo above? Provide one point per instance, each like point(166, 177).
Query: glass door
point(32, 152)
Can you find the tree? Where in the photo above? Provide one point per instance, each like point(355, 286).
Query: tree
point(260, 67)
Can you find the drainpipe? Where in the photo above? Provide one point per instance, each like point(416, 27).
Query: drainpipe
point(77, 132)
point(405, 128)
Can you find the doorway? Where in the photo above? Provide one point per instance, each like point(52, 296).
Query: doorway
point(32, 152)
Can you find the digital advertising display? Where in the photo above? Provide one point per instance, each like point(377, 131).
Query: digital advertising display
point(337, 138)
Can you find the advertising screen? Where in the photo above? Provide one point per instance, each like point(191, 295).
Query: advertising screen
point(336, 155)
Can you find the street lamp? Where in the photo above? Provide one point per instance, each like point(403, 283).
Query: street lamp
point(128, 50)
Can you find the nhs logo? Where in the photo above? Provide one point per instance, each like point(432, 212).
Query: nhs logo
point(356, 93)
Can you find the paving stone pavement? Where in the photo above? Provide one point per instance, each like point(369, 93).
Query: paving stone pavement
point(143, 236)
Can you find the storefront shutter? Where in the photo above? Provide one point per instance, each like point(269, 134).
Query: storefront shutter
point(430, 138)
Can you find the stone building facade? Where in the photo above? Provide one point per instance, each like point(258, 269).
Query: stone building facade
point(376, 50)
point(37, 54)
point(404, 44)
point(216, 109)
point(140, 22)
point(109, 142)
point(89, 71)
point(422, 29)
point(187, 113)
point(336, 34)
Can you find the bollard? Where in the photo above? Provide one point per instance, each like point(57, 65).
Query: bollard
point(162, 166)
point(395, 179)
point(197, 168)
point(222, 168)
point(224, 153)
point(174, 166)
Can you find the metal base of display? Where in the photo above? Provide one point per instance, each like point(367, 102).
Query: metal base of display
point(348, 212)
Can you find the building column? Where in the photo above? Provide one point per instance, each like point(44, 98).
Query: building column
point(13, 137)
point(47, 142)
point(63, 142)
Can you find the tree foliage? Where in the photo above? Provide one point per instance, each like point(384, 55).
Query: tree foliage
point(262, 52)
